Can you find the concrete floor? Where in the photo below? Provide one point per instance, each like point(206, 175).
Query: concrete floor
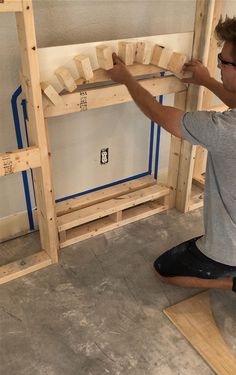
point(99, 312)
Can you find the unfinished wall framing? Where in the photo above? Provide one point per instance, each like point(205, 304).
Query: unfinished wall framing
point(76, 219)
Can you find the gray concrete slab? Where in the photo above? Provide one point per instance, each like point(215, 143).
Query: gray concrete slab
point(100, 310)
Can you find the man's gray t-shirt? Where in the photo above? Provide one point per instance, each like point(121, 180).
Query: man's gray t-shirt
point(217, 133)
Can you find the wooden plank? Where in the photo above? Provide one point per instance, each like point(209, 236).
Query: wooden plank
point(10, 6)
point(174, 158)
point(194, 319)
point(19, 160)
point(143, 52)
point(37, 131)
point(111, 206)
point(95, 197)
point(117, 94)
point(106, 224)
point(51, 93)
point(101, 75)
point(104, 56)
point(203, 19)
point(187, 156)
point(24, 266)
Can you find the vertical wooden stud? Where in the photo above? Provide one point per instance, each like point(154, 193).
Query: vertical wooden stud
point(38, 131)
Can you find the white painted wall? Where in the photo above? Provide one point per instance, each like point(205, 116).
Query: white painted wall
point(62, 22)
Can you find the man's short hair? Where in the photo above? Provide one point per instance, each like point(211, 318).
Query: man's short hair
point(225, 31)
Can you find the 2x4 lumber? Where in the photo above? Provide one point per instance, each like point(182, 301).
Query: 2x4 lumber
point(106, 224)
point(203, 19)
point(24, 266)
point(38, 131)
point(176, 63)
point(20, 160)
point(117, 94)
point(84, 67)
point(143, 52)
point(51, 93)
point(161, 56)
point(95, 197)
point(65, 78)
point(175, 149)
point(10, 6)
point(111, 206)
point(104, 57)
point(194, 319)
point(126, 51)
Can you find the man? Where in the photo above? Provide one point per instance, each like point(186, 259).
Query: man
point(208, 261)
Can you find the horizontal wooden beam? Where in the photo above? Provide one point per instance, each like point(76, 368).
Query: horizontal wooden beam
point(24, 266)
point(20, 160)
point(95, 197)
point(11, 6)
point(106, 96)
point(111, 206)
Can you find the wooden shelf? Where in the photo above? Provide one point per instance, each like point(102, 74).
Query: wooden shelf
point(122, 204)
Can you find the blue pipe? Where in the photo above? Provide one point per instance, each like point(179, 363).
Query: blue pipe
point(20, 146)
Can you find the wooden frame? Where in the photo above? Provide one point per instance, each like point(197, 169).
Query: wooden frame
point(37, 156)
point(81, 218)
point(191, 173)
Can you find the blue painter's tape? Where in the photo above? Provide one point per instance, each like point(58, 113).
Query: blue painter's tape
point(103, 186)
point(20, 146)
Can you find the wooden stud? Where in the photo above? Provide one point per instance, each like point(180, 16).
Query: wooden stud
point(38, 131)
point(65, 78)
point(106, 96)
point(143, 52)
point(126, 51)
point(20, 160)
point(24, 266)
point(104, 56)
point(84, 67)
point(51, 93)
point(174, 158)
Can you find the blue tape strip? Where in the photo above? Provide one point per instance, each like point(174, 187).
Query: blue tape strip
point(103, 187)
point(20, 146)
point(25, 116)
point(151, 147)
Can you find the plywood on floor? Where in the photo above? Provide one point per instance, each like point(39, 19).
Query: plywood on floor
point(194, 319)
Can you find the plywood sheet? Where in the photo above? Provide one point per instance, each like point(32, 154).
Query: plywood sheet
point(194, 319)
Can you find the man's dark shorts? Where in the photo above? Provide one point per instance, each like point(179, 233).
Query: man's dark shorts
point(187, 260)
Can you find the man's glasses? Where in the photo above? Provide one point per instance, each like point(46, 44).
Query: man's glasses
point(224, 62)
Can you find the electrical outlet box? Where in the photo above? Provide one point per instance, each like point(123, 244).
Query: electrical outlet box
point(104, 156)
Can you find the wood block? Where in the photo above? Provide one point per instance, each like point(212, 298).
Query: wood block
point(126, 51)
point(143, 52)
point(104, 56)
point(157, 51)
point(84, 67)
point(51, 93)
point(176, 63)
point(66, 79)
point(161, 56)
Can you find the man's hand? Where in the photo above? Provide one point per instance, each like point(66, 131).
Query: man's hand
point(200, 74)
point(119, 72)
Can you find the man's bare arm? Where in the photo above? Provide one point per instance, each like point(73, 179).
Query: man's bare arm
point(167, 117)
point(201, 76)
